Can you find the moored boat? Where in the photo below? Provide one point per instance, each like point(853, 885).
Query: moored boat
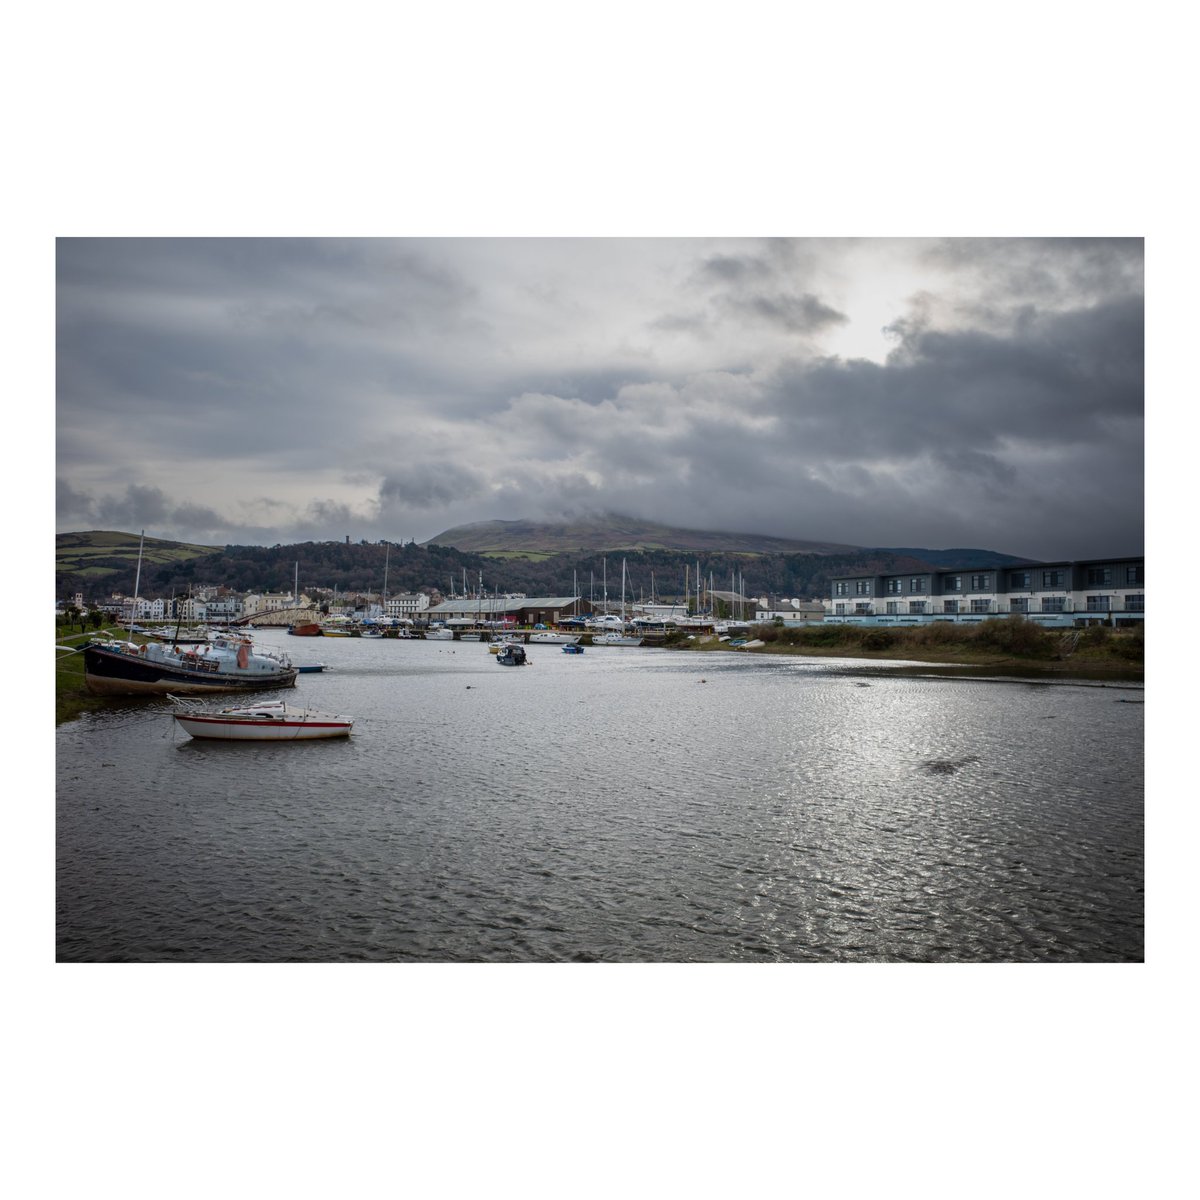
point(270, 722)
point(305, 629)
point(573, 648)
point(226, 664)
point(615, 639)
point(512, 656)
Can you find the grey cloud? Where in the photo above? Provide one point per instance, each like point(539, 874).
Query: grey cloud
point(426, 383)
point(429, 484)
point(73, 505)
point(798, 314)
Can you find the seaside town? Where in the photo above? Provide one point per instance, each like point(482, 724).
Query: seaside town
point(1060, 594)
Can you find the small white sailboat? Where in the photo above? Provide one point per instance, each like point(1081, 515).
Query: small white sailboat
point(274, 721)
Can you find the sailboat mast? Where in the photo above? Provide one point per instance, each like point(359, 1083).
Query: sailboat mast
point(137, 583)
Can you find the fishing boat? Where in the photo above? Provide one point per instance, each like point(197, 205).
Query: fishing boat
point(269, 722)
point(226, 664)
point(305, 629)
point(512, 656)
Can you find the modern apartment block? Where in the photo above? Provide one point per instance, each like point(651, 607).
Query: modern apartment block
point(1056, 593)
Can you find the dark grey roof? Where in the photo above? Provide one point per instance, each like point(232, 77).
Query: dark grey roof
point(502, 604)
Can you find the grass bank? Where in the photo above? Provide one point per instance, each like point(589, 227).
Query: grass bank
point(71, 697)
point(1003, 641)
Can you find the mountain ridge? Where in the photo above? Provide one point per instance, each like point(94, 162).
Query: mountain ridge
point(613, 532)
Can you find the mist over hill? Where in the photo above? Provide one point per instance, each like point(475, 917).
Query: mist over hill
point(612, 532)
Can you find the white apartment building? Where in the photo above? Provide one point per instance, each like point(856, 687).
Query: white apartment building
point(406, 605)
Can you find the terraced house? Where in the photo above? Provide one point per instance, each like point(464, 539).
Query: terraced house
point(1056, 593)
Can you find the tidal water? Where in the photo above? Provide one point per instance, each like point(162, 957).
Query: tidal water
point(623, 805)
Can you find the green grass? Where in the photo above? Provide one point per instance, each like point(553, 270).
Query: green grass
point(71, 697)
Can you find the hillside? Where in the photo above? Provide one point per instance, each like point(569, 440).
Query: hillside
point(613, 533)
point(101, 553)
point(99, 563)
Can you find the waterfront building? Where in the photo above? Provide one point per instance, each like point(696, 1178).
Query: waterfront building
point(791, 612)
point(507, 610)
point(406, 605)
point(269, 602)
point(1076, 592)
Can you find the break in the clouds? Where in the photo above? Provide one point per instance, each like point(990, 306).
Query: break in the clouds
point(959, 392)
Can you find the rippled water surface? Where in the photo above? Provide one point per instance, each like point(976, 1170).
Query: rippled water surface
point(619, 805)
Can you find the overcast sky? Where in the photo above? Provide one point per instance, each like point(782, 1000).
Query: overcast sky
point(936, 393)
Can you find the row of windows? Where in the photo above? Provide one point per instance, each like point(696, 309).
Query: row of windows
point(1018, 604)
point(1017, 581)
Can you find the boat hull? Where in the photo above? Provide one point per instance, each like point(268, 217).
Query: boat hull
point(226, 729)
point(111, 673)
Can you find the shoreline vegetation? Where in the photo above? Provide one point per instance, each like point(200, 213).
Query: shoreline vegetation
point(1097, 651)
point(1010, 644)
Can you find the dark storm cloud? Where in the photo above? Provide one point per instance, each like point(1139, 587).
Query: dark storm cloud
point(1062, 380)
point(958, 436)
point(295, 388)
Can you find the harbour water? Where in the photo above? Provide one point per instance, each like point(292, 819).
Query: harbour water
point(622, 805)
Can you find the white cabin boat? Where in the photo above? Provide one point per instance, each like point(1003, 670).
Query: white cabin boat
point(270, 722)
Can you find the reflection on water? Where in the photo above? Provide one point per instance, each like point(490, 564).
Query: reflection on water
point(620, 805)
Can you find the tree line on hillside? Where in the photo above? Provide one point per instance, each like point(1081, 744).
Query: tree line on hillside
point(359, 567)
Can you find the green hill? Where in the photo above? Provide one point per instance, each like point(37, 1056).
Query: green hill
point(99, 553)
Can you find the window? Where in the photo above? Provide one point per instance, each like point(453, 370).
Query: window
point(1135, 603)
point(952, 583)
point(1019, 579)
point(950, 606)
point(841, 588)
point(1018, 604)
point(839, 610)
point(862, 587)
point(916, 606)
point(1133, 574)
point(1051, 604)
point(1097, 604)
point(1052, 579)
point(1099, 576)
point(981, 606)
point(893, 607)
point(862, 609)
point(895, 587)
point(981, 583)
point(916, 585)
